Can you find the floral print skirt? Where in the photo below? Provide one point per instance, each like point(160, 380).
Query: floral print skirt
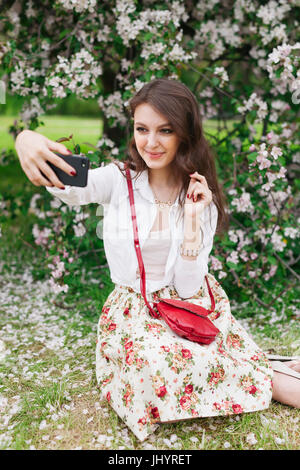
point(150, 375)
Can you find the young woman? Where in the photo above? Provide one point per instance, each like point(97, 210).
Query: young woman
point(148, 374)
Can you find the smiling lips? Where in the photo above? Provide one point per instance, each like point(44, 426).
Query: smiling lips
point(155, 155)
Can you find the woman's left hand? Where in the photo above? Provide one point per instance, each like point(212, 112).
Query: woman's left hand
point(199, 194)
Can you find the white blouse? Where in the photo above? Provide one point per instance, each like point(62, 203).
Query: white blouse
point(155, 254)
point(164, 266)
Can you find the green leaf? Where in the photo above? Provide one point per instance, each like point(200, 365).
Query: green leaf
point(63, 33)
point(231, 265)
point(172, 26)
point(272, 260)
point(278, 71)
point(191, 44)
point(148, 75)
point(159, 73)
point(252, 157)
point(242, 179)
point(126, 95)
point(148, 36)
point(252, 114)
point(281, 160)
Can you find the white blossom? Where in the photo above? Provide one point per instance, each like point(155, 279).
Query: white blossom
point(78, 5)
point(291, 232)
point(233, 257)
point(31, 110)
point(243, 203)
point(254, 102)
point(276, 152)
point(113, 107)
point(215, 263)
point(79, 230)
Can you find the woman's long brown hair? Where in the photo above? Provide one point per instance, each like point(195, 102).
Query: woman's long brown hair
point(179, 106)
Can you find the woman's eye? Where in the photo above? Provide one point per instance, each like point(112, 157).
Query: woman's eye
point(165, 131)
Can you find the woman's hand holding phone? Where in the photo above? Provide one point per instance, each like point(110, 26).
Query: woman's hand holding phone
point(34, 150)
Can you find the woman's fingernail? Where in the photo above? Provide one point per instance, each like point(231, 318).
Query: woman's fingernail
point(73, 173)
point(63, 187)
point(188, 195)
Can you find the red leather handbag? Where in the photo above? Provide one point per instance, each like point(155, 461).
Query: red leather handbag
point(184, 318)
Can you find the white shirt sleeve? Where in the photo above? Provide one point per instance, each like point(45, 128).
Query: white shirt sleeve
point(99, 188)
point(189, 275)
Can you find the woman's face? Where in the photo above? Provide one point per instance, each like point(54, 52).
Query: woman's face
point(155, 139)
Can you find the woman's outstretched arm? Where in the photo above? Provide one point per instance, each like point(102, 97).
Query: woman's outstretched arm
point(34, 149)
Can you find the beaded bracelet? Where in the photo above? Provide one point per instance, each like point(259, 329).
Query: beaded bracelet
point(189, 252)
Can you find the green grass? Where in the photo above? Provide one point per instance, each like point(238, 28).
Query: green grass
point(83, 130)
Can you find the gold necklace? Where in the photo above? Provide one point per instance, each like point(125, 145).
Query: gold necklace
point(161, 204)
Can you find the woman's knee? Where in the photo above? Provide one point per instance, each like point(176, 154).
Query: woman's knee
point(286, 389)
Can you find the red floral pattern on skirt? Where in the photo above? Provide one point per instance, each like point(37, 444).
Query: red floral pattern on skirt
point(148, 374)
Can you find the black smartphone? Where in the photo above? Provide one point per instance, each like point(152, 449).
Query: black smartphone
point(80, 163)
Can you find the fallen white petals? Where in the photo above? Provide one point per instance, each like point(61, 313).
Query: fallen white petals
point(43, 425)
point(251, 439)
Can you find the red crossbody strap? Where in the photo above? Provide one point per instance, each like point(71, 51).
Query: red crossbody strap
point(211, 296)
point(139, 254)
point(137, 245)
